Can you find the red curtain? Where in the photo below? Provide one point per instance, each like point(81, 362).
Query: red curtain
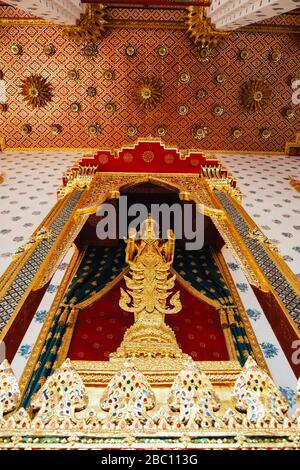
point(198, 329)
point(100, 328)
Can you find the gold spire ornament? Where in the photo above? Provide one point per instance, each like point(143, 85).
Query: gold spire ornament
point(201, 28)
point(148, 295)
point(149, 92)
point(36, 91)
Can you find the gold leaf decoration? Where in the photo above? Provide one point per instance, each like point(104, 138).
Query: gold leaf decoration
point(93, 130)
point(204, 52)
point(109, 75)
point(275, 56)
point(149, 92)
point(184, 77)
point(201, 28)
point(130, 51)
point(73, 74)
point(90, 27)
point(56, 129)
point(26, 129)
point(265, 133)
point(255, 95)
point(16, 49)
point(161, 130)
point(182, 109)
point(289, 113)
point(91, 91)
point(237, 133)
point(49, 50)
point(200, 132)
point(162, 51)
point(132, 130)
point(36, 91)
point(89, 49)
point(201, 93)
point(218, 110)
point(244, 54)
point(110, 108)
point(221, 78)
point(75, 107)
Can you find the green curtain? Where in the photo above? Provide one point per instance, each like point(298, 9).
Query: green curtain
point(200, 270)
point(99, 266)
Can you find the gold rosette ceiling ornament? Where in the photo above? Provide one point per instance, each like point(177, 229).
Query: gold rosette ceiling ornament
point(149, 92)
point(201, 28)
point(255, 95)
point(91, 25)
point(36, 91)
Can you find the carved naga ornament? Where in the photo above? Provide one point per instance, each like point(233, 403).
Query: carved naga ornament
point(148, 295)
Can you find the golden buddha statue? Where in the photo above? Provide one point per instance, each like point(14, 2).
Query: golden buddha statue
point(148, 295)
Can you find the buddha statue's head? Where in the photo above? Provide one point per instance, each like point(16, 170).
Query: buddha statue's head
point(149, 228)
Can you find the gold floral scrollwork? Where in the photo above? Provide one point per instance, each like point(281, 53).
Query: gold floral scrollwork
point(256, 234)
point(225, 184)
point(201, 28)
point(79, 177)
point(43, 234)
point(90, 27)
point(210, 211)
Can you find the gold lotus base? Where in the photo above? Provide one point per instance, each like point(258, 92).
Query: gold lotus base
point(141, 341)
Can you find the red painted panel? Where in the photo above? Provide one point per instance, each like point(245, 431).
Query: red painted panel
point(100, 329)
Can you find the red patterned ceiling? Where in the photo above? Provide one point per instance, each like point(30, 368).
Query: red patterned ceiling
point(182, 56)
point(151, 3)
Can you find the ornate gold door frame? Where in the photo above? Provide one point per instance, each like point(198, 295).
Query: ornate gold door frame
point(89, 188)
point(102, 187)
